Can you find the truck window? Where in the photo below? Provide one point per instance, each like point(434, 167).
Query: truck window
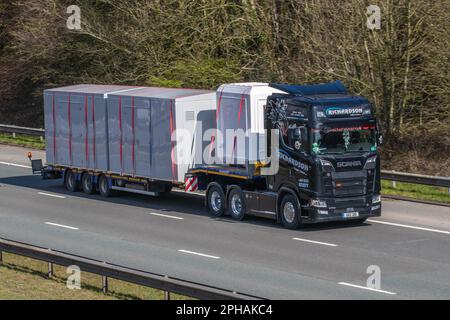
point(295, 137)
point(341, 140)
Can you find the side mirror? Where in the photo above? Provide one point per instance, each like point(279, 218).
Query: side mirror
point(380, 139)
point(379, 135)
point(296, 133)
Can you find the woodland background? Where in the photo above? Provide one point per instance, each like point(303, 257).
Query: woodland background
point(403, 68)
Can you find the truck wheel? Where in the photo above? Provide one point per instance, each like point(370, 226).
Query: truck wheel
point(103, 187)
point(290, 213)
point(71, 181)
point(87, 184)
point(236, 204)
point(216, 201)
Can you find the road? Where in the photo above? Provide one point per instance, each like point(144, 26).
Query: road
point(173, 235)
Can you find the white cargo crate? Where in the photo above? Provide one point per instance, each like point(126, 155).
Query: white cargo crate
point(241, 106)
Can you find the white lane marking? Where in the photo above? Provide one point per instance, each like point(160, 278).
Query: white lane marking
point(366, 288)
point(408, 226)
point(60, 225)
point(51, 195)
point(316, 242)
point(15, 165)
point(199, 254)
point(165, 216)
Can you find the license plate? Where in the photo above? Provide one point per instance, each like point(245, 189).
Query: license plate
point(350, 214)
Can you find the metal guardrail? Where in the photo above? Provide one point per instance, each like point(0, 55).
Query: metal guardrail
point(107, 270)
point(22, 130)
point(415, 178)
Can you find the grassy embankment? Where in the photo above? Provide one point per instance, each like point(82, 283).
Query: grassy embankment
point(402, 189)
point(416, 191)
point(22, 140)
point(23, 278)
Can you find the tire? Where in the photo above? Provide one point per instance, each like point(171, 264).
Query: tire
point(87, 184)
point(290, 212)
point(120, 183)
point(166, 189)
point(216, 201)
point(103, 187)
point(71, 182)
point(236, 204)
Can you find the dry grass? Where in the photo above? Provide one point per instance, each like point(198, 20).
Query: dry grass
point(26, 279)
point(22, 141)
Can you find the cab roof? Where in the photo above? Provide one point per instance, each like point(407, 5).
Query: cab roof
point(334, 93)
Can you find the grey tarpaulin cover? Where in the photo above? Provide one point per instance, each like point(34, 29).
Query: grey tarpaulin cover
point(125, 130)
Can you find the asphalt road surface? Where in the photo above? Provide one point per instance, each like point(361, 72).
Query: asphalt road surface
point(173, 235)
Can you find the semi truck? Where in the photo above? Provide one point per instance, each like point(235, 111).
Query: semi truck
point(297, 154)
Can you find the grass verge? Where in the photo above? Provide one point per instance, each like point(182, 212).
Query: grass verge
point(26, 279)
point(416, 191)
point(22, 141)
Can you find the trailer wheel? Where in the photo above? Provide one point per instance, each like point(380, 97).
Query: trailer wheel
point(216, 201)
point(236, 204)
point(103, 187)
point(71, 181)
point(87, 184)
point(165, 189)
point(120, 183)
point(290, 212)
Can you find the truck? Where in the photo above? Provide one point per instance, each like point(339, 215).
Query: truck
point(297, 154)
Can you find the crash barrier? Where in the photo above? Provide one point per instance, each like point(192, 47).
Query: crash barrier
point(108, 270)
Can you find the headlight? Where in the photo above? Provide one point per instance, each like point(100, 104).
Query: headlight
point(317, 203)
point(371, 163)
point(376, 199)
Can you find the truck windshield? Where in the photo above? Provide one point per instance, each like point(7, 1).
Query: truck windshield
point(344, 139)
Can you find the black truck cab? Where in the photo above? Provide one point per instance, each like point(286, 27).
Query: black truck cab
point(328, 151)
point(327, 155)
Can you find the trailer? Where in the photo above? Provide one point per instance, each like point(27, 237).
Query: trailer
point(120, 138)
point(321, 165)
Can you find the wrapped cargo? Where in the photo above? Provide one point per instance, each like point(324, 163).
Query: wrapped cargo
point(124, 130)
point(76, 125)
point(240, 121)
point(141, 123)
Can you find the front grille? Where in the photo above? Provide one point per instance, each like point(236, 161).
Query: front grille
point(349, 187)
point(347, 184)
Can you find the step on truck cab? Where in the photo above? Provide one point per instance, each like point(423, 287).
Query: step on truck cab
point(327, 153)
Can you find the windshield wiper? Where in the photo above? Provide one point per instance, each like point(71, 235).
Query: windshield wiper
point(353, 151)
point(332, 152)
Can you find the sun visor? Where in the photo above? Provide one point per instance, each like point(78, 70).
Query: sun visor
point(336, 87)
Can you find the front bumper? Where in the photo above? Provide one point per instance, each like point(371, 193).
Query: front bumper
point(342, 209)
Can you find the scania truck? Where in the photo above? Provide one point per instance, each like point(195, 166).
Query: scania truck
point(297, 154)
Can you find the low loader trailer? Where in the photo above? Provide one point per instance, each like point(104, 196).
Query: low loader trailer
point(298, 154)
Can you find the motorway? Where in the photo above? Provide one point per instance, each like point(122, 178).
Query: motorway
point(173, 235)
